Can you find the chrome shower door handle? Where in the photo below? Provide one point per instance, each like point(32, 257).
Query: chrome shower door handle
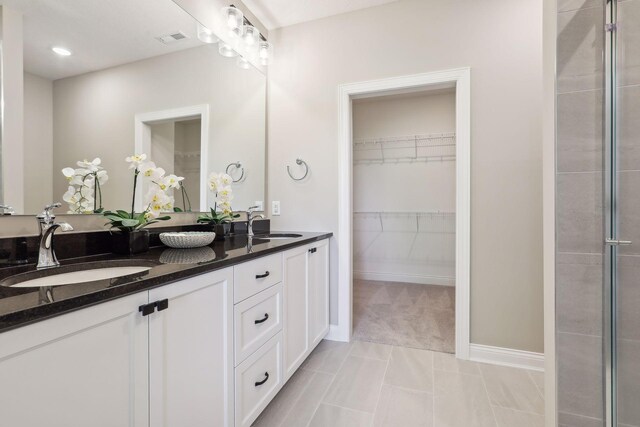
point(616, 242)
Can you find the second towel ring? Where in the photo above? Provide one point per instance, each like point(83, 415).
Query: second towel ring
point(300, 162)
point(237, 165)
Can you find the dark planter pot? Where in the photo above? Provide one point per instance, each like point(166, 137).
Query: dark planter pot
point(130, 243)
point(222, 230)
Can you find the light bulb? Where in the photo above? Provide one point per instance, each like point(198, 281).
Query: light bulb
point(251, 35)
point(226, 50)
point(243, 63)
point(234, 19)
point(61, 51)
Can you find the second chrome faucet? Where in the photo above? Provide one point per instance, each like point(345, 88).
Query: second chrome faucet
point(46, 220)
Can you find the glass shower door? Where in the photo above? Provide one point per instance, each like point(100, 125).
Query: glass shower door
point(622, 177)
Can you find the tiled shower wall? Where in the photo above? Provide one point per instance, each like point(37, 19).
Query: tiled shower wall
point(579, 194)
point(579, 215)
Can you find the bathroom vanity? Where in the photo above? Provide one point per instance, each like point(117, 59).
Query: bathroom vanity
point(202, 344)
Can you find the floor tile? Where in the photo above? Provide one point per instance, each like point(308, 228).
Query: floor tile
point(512, 418)
point(327, 357)
point(538, 379)
point(402, 407)
point(461, 401)
point(410, 368)
point(512, 388)
point(448, 362)
point(275, 413)
point(304, 408)
point(371, 350)
point(357, 384)
point(334, 416)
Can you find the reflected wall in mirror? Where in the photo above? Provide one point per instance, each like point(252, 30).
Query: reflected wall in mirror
point(135, 79)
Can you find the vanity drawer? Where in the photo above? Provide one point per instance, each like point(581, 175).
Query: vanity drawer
point(257, 319)
point(258, 380)
point(251, 277)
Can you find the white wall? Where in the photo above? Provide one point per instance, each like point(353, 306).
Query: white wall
point(501, 40)
point(38, 143)
point(94, 115)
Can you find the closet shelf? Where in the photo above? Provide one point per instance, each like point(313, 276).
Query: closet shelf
point(418, 222)
point(403, 149)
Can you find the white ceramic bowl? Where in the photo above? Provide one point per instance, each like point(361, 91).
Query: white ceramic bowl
point(187, 239)
point(187, 256)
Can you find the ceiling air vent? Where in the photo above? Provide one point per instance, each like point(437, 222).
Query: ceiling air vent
point(172, 38)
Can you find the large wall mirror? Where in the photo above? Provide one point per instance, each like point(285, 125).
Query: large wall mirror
point(134, 77)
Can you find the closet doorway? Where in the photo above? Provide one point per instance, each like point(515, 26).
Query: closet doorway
point(404, 226)
point(404, 188)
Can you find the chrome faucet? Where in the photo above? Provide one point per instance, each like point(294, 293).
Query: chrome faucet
point(250, 218)
point(6, 210)
point(48, 226)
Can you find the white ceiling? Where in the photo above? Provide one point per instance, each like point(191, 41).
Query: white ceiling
point(281, 13)
point(101, 34)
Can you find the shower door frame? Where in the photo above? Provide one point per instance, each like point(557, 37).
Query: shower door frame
point(611, 237)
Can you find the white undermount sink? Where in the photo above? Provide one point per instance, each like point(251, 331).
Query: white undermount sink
point(73, 274)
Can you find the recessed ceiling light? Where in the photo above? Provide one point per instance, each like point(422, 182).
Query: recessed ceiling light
point(61, 51)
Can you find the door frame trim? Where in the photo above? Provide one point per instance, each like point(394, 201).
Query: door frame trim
point(460, 78)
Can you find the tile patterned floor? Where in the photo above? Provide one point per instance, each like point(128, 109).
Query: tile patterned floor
point(404, 314)
point(377, 385)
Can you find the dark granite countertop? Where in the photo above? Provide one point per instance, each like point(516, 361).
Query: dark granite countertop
point(22, 306)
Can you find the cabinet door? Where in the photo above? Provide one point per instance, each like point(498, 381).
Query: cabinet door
point(191, 353)
point(85, 368)
point(318, 278)
point(295, 328)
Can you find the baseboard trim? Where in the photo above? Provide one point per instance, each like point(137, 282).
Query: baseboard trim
point(335, 334)
point(506, 357)
point(405, 278)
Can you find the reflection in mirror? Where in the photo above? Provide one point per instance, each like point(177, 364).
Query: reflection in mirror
point(134, 77)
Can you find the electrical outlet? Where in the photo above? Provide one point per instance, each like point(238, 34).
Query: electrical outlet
point(260, 205)
point(275, 208)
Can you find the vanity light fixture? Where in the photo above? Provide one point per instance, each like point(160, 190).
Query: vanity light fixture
point(206, 35)
point(61, 51)
point(251, 36)
point(243, 63)
point(234, 19)
point(265, 52)
point(226, 50)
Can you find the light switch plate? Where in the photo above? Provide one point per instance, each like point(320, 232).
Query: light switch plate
point(275, 208)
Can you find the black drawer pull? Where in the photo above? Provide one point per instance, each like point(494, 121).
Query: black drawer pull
point(266, 378)
point(262, 276)
point(266, 316)
point(313, 250)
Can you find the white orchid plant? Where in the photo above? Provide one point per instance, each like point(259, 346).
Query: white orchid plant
point(84, 194)
point(157, 200)
point(221, 212)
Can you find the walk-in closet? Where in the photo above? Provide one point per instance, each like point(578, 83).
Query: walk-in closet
point(404, 221)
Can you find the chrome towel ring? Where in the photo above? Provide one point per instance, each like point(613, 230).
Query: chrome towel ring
point(299, 162)
point(237, 165)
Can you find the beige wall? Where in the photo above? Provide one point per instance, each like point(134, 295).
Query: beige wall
point(38, 142)
point(501, 40)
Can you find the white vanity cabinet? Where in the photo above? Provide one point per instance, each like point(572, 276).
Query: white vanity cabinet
point(109, 365)
point(191, 352)
point(85, 368)
point(306, 302)
point(211, 350)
